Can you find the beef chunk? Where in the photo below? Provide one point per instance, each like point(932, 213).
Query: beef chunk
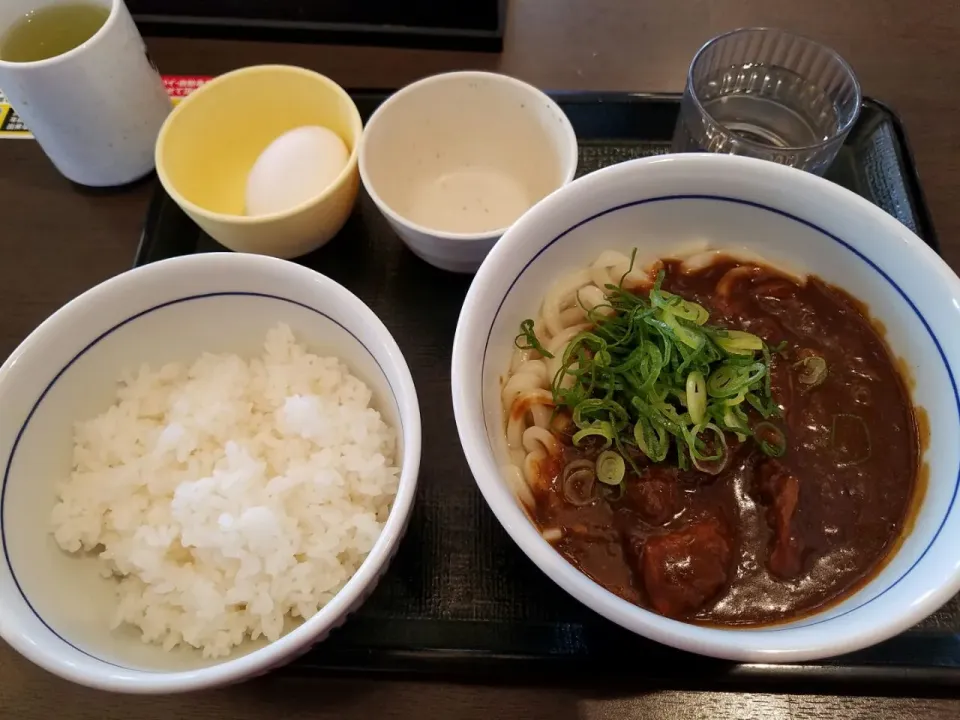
point(655, 497)
point(781, 490)
point(684, 569)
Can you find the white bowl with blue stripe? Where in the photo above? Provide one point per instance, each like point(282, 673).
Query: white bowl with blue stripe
point(795, 220)
point(54, 608)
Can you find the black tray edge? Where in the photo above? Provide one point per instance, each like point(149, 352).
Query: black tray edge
point(469, 668)
point(150, 222)
point(926, 228)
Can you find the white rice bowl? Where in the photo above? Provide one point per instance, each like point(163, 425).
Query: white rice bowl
point(229, 496)
point(56, 607)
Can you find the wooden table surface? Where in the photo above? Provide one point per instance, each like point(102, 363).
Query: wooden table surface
point(56, 241)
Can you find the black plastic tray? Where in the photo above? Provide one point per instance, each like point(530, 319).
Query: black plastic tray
point(458, 25)
point(460, 599)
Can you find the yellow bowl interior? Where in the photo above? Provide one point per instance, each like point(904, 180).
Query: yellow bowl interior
point(210, 142)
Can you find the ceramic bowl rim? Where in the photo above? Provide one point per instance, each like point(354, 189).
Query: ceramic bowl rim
point(567, 130)
point(356, 125)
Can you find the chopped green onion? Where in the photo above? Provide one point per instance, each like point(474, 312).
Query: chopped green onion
point(599, 428)
point(623, 453)
point(610, 468)
point(734, 420)
point(765, 408)
point(683, 309)
point(739, 342)
point(729, 380)
point(633, 259)
point(736, 399)
point(598, 406)
point(652, 374)
point(715, 462)
point(684, 334)
point(651, 439)
point(771, 439)
point(578, 483)
point(530, 341)
point(813, 371)
point(696, 396)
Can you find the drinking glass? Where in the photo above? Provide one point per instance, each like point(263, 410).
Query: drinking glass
point(768, 94)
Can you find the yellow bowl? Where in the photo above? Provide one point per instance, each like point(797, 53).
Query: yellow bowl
point(210, 142)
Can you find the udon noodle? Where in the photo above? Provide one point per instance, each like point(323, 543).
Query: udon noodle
point(527, 398)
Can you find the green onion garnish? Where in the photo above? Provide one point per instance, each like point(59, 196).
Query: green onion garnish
point(739, 342)
point(708, 448)
point(600, 428)
point(655, 376)
point(610, 468)
point(732, 379)
point(813, 371)
point(653, 440)
point(696, 396)
point(529, 339)
point(683, 309)
point(771, 439)
point(578, 483)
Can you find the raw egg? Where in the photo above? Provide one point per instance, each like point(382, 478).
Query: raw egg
point(296, 167)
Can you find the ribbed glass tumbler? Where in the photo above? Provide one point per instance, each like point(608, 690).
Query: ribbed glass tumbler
point(768, 94)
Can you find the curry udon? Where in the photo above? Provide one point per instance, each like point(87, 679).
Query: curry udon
point(711, 439)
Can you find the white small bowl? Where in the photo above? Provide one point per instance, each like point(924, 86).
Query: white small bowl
point(672, 204)
point(453, 160)
point(54, 608)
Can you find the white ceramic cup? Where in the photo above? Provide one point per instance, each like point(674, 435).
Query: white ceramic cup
point(452, 160)
point(96, 110)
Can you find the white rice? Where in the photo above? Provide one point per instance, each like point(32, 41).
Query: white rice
point(229, 495)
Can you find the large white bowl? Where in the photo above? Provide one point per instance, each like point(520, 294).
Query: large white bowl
point(668, 204)
point(54, 608)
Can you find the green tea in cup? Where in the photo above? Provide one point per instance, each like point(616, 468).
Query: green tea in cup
point(51, 31)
